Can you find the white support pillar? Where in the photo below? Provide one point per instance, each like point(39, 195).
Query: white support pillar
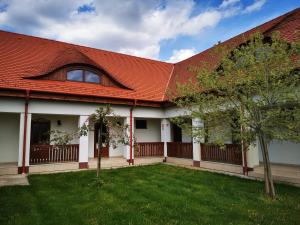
point(128, 147)
point(83, 145)
point(196, 124)
point(252, 156)
point(165, 135)
point(21, 142)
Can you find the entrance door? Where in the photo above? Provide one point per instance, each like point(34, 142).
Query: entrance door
point(104, 150)
point(40, 131)
point(177, 133)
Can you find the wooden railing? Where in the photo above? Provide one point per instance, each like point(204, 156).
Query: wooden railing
point(144, 149)
point(232, 153)
point(180, 150)
point(51, 154)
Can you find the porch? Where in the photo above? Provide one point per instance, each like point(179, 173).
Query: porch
point(35, 150)
point(153, 138)
point(156, 139)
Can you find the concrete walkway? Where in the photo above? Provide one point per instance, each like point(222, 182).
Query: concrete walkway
point(106, 163)
point(281, 173)
point(10, 180)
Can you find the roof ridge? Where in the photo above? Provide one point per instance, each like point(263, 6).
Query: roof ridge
point(283, 17)
point(287, 16)
point(167, 85)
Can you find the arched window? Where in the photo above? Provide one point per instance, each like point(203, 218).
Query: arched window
point(83, 76)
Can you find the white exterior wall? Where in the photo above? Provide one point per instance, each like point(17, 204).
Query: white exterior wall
point(11, 105)
point(120, 148)
point(76, 108)
point(284, 153)
point(151, 134)
point(9, 137)
point(118, 151)
point(175, 111)
point(73, 108)
point(186, 138)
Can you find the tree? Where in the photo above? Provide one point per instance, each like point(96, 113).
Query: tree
point(255, 88)
point(104, 116)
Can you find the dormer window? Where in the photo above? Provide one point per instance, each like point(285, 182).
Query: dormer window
point(82, 73)
point(83, 76)
point(91, 77)
point(75, 75)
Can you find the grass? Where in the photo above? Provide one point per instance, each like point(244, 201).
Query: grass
point(157, 194)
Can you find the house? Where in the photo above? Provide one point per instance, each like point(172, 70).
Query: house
point(46, 85)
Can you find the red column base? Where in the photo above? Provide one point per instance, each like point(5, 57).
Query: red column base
point(130, 161)
point(83, 165)
point(20, 169)
point(196, 163)
point(246, 170)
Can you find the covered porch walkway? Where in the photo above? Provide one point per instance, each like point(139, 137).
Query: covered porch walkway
point(281, 173)
point(106, 163)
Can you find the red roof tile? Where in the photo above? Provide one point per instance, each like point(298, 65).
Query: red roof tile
point(22, 57)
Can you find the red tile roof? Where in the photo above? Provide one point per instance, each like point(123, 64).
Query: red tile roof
point(22, 57)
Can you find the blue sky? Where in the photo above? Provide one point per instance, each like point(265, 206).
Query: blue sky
point(166, 30)
point(228, 27)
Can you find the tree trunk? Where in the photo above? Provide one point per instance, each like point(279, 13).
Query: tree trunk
point(269, 184)
point(99, 150)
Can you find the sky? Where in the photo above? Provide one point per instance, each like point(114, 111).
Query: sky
point(166, 30)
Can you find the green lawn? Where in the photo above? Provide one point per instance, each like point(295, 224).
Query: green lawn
point(157, 194)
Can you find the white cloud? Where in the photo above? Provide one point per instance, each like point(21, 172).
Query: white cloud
point(179, 55)
point(227, 3)
point(132, 26)
point(257, 5)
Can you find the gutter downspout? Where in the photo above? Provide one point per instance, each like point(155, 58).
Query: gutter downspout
point(131, 161)
point(25, 132)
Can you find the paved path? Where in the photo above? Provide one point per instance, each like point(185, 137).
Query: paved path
point(9, 180)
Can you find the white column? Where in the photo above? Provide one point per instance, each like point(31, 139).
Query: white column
point(91, 143)
point(165, 134)
point(83, 145)
point(196, 124)
point(252, 155)
point(127, 147)
point(21, 140)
